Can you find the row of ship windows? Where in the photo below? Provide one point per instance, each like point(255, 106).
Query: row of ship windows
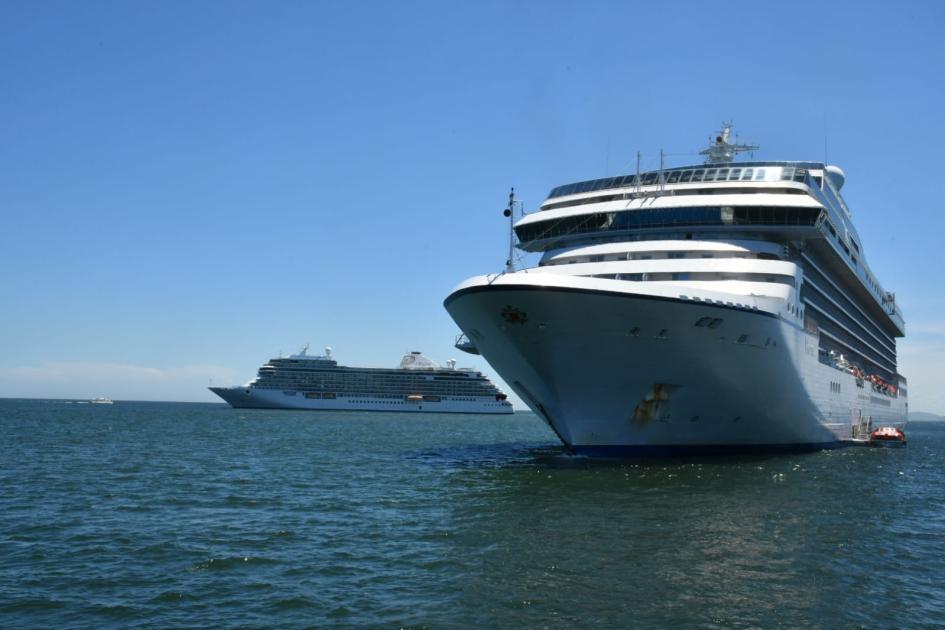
point(700, 275)
point(863, 328)
point(835, 338)
point(383, 392)
point(307, 378)
point(843, 246)
point(398, 401)
point(870, 280)
point(683, 176)
point(674, 218)
point(664, 255)
point(676, 192)
point(823, 286)
point(467, 377)
point(880, 383)
point(382, 402)
point(385, 399)
point(329, 384)
point(316, 378)
point(366, 392)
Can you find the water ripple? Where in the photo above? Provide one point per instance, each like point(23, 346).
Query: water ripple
point(167, 515)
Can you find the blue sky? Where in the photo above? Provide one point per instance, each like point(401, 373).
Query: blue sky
point(188, 188)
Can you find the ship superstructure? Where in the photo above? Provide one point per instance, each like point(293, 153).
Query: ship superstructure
point(418, 384)
point(724, 306)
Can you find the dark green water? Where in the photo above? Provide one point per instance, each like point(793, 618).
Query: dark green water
point(168, 515)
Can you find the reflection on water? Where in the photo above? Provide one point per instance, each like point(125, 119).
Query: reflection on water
point(751, 541)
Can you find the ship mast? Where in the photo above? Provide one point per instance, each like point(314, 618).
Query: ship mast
point(723, 150)
point(508, 213)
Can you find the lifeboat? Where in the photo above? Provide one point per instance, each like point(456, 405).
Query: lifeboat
point(888, 436)
point(414, 398)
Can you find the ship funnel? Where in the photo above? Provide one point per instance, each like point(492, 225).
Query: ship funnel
point(327, 351)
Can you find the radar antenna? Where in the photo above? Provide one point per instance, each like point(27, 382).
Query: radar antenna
point(724, 151)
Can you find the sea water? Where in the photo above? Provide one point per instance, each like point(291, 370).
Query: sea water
point(169, 514)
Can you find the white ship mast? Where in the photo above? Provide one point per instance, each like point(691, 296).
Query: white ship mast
point(724, 151)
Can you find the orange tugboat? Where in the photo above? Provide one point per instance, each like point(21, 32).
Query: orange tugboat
point(887, 436)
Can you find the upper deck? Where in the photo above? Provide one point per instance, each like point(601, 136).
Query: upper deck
point(787, 201)
point(704, 173)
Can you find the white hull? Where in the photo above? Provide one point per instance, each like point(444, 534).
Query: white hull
point(587, 360)
point(257, 398)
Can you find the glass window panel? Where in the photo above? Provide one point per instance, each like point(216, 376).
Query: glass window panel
point(735, 174)
point(673, 177)
point(710, 175)
point(686, 177)
point(723, 175)
point(697, 176)
point(760, 175)
point(746, 176)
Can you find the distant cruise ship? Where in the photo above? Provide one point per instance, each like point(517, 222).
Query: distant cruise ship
point(718, 307)
point(304, 381)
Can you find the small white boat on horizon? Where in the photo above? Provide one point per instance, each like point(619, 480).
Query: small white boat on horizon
point(102, 401)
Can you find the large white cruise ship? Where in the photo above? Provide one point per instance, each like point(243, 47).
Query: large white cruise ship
point(304, 381)
point(719, 307)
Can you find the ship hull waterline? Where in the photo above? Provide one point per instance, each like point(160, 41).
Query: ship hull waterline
point(257, 398)
point(619, 374)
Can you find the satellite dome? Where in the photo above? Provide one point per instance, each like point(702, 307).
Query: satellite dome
point(836, 176)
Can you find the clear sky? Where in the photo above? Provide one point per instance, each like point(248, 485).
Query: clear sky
point(187, 188)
